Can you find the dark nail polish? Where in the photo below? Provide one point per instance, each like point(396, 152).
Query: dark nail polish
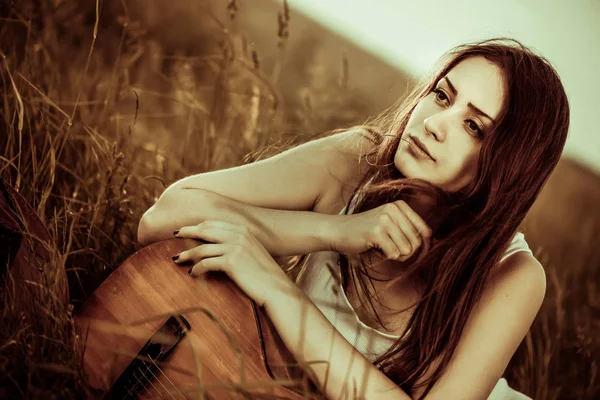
point(176, 232)
point(175, 257)
point(190, 271)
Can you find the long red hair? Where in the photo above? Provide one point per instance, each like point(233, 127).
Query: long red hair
point(473, 227)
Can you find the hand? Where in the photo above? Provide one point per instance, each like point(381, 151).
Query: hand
point(231, 248)
point(393, 228)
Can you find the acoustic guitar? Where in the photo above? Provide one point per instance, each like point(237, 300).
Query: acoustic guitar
point(152, 331)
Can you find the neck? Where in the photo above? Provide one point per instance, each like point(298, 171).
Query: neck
point(389, 297)
point(386, 273)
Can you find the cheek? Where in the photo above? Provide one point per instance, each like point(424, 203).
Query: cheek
point(421, 111)
point(472, 159)
point(458, 171)
point(467, 169)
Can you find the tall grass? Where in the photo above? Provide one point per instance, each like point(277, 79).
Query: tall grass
point(98, 117)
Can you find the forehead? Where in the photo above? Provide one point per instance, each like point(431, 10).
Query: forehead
point(480, 82)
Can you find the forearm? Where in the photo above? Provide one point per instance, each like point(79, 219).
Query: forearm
point(282, 232)
point(310, 337)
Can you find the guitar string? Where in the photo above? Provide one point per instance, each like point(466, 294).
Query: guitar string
point(155, 377)
point(133, 389)
point(169, 380)
point(133, 386)
point(159, 381)
point(129, 392)
point(149, 381)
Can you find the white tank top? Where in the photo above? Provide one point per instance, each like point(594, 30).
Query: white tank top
point(320, 279)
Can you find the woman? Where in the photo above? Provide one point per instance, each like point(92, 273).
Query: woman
point(419, 208)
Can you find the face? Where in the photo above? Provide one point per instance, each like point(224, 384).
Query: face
point(450, 123)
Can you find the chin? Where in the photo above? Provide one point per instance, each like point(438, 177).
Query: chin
point(399, 166)
point(409, 172)
point(404, 165)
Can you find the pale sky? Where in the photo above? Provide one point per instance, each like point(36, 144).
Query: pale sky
point(413, 34)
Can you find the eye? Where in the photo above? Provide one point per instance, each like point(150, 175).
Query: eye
point(473, 127)
point(440, 95)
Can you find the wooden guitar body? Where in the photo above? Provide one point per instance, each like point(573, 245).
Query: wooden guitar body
point(220, 353)
point(230, 351)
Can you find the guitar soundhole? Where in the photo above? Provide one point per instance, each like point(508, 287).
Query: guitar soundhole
point(144, 369)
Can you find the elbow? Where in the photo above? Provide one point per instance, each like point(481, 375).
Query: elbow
point(152, 227)
point(149, 228)
point(144, 230)
point(175, 208)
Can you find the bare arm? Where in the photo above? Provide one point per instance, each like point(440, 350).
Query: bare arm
point(285, 200)
point(282, 232)
point(493, 332)
point(344, 373)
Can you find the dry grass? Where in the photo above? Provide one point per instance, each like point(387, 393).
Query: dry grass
point(97, 118)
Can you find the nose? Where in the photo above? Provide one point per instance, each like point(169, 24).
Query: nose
point(436, 126)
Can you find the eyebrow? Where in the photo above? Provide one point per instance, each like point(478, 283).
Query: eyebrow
point(470, 105)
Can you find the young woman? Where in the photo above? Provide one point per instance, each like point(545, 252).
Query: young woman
point(417, 283)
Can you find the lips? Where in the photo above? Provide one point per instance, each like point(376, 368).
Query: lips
point(420, 145)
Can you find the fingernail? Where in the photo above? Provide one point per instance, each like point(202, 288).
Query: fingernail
point(176, 232)
point(190, 271)
point(175, 257)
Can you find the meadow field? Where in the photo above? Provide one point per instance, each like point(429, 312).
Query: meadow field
point(104, 104)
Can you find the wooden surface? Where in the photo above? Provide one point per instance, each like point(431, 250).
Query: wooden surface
point(150, 284)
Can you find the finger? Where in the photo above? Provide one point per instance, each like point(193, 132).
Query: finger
point(405, 248)
point(404, 233)
point(225, 225)
point(387, 248)
point(207, 232)
point(421, 233)
point(382, 239)
point(206, 265)
point(201, 252)
point(422, 228)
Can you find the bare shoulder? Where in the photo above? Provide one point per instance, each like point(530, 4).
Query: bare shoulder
point(522, 272)
point(495, 328)
point(346, 165)
point(355, 141)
